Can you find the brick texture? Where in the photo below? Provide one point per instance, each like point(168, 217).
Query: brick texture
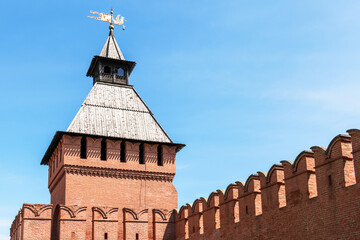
point(315, 197)
point(111, 198)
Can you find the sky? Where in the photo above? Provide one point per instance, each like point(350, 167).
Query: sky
point(244, 84)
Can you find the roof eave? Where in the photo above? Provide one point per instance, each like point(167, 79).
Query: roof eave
point(91, 67)
point(96, 58)
point(54, 142)
point(58, 135)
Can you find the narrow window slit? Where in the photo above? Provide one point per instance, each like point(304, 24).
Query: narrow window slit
point(103, 150)
point(160, 156)
point(141, 154)
point(83, 148)
point(330, 180)
point(122, 152)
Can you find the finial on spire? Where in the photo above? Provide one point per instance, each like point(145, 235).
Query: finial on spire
point(105, 17)
point(111, 27)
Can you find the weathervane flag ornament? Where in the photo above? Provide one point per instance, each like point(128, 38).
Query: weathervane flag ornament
point(105, 17)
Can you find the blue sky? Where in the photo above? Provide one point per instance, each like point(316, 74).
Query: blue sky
point(244, 84)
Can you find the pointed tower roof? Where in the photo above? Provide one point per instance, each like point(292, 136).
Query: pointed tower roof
point(113, 108)
point(117, 111)
point(111, 48)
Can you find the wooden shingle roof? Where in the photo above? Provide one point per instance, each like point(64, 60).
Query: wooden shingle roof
point(117, 111)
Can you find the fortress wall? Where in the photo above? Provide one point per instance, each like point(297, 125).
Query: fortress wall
point(355, 139)
point(105, 221)
point(163, 224)
point(32, 222)
point(136, 223)
point(42, 215)
point(314, 197)
point(16, 227)
point(40, 222)
point(72, 222)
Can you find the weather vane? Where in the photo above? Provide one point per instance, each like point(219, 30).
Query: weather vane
point(105, 17)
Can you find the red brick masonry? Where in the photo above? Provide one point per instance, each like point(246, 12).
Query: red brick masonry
point(315, 197)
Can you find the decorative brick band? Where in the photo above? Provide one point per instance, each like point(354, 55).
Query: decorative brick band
point(118, 173)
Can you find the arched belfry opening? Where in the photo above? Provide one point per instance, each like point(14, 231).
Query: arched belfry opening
point(107, 70)
point(121, 72)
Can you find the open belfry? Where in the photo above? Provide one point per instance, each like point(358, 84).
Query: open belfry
point(110, 176)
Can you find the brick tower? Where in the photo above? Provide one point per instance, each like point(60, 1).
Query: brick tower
point(114, 151)
point(111, 171)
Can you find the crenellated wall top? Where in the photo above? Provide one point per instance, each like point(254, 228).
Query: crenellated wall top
point(340, 147)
